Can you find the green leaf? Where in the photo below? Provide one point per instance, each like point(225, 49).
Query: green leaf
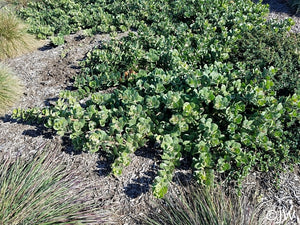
point(152, 56)
point(247, 124)
point(188, 108)
point(183, 127)
point(78, 125)
point(232, 128)
point(238, 119)
point(176, 119)
point(220, 102)
point(233, 147)
point(153, 102)
point(223, 165)
point(160, 188)
point(60, 124)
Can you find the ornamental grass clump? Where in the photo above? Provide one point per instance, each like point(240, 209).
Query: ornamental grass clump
point(14, 39)
point(10, 88)
point(195, 205)
point(41, 190)
point(19, 3)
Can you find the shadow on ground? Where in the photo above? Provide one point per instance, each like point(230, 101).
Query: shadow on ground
point(279, 6)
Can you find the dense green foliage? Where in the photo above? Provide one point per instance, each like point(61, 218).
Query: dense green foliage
point(61, 17)
point(185, 81)
point(262, 47)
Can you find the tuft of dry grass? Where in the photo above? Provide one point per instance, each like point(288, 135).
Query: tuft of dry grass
point(10, 89)
point(14, 39)
point(19, 3)
point(194, 205)
point(42, 190)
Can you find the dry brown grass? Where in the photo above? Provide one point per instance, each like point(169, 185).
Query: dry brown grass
point(10, 89)
point(14, 39)
point(19, 3)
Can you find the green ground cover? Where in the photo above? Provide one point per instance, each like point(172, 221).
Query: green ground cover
point(203, 80)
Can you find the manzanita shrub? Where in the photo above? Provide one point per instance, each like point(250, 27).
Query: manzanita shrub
point(263, 47)
point(174, 83)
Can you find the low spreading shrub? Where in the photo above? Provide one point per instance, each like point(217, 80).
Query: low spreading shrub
point(175, 83)
point(14, 39)
point(41, 190)
point(262, 47)
point(61, 17)
point(10, 88)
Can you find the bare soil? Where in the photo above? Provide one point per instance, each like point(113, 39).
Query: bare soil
point(48, 70)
